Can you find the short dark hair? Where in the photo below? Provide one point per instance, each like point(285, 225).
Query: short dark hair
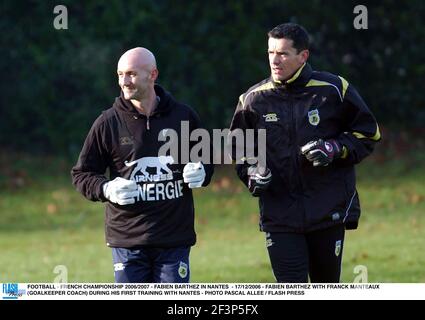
point(294, 32)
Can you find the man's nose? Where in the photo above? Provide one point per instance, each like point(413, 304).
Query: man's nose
point(126, 80)
point(275, 59)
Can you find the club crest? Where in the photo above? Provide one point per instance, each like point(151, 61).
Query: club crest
point(183, 270)
point(313, 117)
point(338, 246)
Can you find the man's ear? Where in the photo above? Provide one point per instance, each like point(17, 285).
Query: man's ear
point(154, 74)
point(304, 55)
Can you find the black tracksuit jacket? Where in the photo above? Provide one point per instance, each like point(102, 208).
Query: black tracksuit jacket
point(126, 143)
point(309, 106)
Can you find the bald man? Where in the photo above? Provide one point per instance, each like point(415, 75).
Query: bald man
point(137, 73)
point(149, 204)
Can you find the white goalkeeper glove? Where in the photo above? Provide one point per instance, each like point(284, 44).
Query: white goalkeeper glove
point(121, 191)
point(194, 174)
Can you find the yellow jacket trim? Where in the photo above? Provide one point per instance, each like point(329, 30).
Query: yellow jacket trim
point(376, 137)
point(317, 83)
point(296, 75)
point(344, 85)
point(267, 86)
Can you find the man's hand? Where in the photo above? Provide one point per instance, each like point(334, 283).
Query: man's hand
point(259, 179)
point(120, 191)
point(194, 174)
point(322, 152)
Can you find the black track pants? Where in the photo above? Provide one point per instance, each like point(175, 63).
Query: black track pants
point(317, 254)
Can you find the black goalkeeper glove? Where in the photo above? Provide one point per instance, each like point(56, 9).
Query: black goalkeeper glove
point(322, 152)
point(259, 179)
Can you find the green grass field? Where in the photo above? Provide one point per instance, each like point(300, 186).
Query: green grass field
point(46, 223)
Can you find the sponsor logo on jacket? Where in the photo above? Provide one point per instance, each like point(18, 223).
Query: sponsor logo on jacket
point(155, 179)
point(270, 117)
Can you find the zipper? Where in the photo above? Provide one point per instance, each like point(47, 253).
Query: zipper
point(293, 137)
point(299, 184)
point(152, 113)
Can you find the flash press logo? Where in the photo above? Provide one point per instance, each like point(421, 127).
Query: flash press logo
point(11, 291)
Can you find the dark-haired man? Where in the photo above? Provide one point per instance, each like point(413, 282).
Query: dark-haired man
point(318, 127)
